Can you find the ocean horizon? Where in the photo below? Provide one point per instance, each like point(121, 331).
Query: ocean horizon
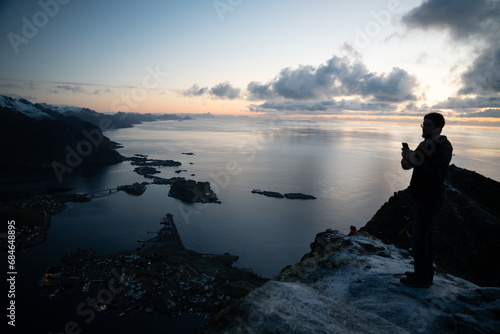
point(351, 167)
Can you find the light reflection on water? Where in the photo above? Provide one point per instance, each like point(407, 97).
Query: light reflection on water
point(351, 167)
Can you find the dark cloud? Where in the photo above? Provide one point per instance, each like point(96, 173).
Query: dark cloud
point(302, 83)
point(73, 89)
point(23, 84)
point(483, 77)
point(476, 22)
point(340, 76)
point(396, 86)
point(10, 85)
point(195, 90)
point(102, 91)
point(486, 113)
point(328, 107)
point(412, 108)
point(471, 103)
point(225, 91)
point(259, 92)
point(464, 18)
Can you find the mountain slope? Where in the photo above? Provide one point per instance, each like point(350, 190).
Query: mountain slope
point(32, 138)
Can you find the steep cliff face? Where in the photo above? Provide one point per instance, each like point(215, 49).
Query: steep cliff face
point(467, 236)
point(352, 286)
point(34, 140)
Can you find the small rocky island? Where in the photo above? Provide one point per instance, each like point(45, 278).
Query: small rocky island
point(136, 189)
point(192, 191)
point(279, 195)
point(142, 160)
point(185, 190)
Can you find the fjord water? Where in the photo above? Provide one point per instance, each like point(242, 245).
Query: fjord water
point(352, 167)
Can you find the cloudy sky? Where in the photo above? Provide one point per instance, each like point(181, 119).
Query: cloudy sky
point(317, 57)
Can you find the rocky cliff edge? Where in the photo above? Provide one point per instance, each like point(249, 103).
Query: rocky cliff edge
point(352, 286)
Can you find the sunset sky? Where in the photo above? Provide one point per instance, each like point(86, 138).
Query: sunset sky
point(318, 57)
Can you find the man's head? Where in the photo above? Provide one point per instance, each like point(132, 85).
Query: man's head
point(433, 125)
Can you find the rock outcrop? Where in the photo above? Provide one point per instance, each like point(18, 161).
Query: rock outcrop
point(39, 141)
point(352, 286)
point(136, 188)
point(280, 195)
point(192, 191)
point(268, 193)
point(467, 236)
point(143, 161)
point(298, 196)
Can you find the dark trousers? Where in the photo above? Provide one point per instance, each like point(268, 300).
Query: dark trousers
point(426, 215)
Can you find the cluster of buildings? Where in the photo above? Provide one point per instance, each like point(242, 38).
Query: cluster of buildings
point(138, 282)
point(161, 276)
point(32, 217)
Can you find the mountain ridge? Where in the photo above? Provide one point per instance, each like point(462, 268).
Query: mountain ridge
point(37, 138)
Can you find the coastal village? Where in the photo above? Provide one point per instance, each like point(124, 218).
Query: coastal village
point(160, 276)
point(33, 216)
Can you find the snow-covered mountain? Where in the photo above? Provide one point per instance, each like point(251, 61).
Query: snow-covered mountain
point(40, 111)
point(118, 120)
point(23, 106)
point(37, 137)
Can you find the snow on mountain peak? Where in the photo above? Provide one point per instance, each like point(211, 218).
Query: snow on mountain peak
point(23, 106)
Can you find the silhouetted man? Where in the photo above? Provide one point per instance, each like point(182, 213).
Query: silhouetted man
point(430, 162)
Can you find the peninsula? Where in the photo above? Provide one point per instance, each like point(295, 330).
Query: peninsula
point(162, 275)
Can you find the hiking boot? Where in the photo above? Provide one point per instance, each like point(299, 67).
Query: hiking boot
point(412, 281)
point(412, 275)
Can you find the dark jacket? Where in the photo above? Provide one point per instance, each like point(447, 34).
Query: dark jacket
point(429, 171)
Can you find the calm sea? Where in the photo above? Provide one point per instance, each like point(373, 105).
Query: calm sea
point(352, 167)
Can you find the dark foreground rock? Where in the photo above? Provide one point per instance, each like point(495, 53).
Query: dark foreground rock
point(192, 191)
point(467, 236)
point(352, 286)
